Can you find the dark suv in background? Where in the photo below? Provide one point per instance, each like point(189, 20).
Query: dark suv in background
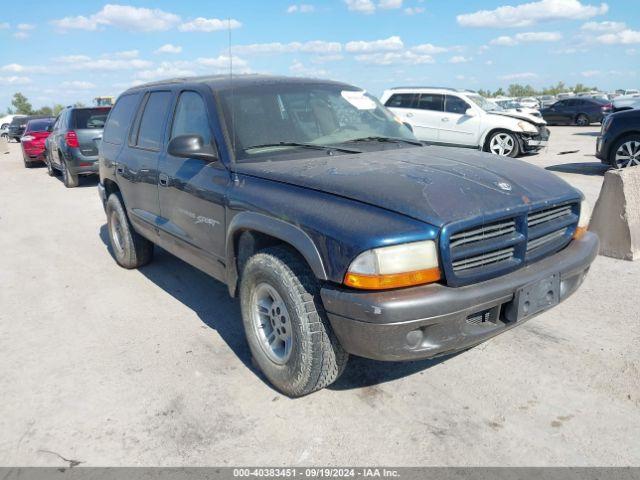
point(619, 142)
point(576, 111)
point(72, 147)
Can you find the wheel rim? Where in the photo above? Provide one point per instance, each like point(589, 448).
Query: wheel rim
point(271, 323)
point(628, 154)
point(117, 234)
point(502, 144)
point(65, 173)
point(582, 120)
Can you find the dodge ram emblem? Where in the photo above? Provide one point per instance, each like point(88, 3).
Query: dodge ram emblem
point(505, 186)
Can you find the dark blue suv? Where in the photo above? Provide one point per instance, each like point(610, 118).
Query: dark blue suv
point(340, 232)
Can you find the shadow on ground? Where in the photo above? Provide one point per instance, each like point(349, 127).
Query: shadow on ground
point(210, 300)
point(582, 168)
point(588, 134)
point(86, 181)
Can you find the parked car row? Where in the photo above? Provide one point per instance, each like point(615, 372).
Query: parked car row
point(338, 229)
point(67, 144)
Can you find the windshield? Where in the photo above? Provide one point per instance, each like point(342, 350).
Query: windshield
point(483, 103)
point(312, 114)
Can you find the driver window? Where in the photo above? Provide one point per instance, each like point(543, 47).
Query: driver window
point(191, 117)
point(455, 105)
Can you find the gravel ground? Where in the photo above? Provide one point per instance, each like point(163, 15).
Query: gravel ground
point(149, 367)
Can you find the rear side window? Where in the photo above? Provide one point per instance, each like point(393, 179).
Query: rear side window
point(118, 122)
point(402, 100)
point(90, 118)
point(150, 132)
point(431, 101)
point(455, 105)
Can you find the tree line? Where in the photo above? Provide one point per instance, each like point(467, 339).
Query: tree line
point(517, 90)
point(20, 105)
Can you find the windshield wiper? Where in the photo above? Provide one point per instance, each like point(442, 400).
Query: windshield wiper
point(303, 145)
point(385, 139)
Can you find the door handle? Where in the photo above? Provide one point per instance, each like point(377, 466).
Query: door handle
point(445, 119)
point(163, 179)
point(409, 115)
point(120, 170)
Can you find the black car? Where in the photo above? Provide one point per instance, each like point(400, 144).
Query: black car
point(18, 124)
point(340, 232)
point(619, 142)
point(576, 111)
point(72, 147)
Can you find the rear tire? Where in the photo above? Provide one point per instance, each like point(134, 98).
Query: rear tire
point(27, 163)
point(130, 249)
point(71, 180)
point(287, 329)
point(582, 120)
point(51, 170)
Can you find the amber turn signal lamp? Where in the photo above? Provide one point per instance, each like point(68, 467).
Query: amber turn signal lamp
point(395, 280)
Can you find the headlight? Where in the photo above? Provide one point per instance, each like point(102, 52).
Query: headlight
point(396, 266)
point(583, 221)
point(527, 127)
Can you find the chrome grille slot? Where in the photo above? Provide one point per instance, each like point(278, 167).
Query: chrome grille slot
point(548, 215)
point(538, 242)
point(483, 260)
point(482, 233)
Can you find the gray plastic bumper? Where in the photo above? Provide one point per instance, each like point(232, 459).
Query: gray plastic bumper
point(432, 320)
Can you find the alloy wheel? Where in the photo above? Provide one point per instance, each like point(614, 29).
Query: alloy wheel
point(502, 144)
point(117, 234)
point(271, 323)
point(628, 154)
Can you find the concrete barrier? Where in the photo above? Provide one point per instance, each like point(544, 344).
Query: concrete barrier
point(616, 216)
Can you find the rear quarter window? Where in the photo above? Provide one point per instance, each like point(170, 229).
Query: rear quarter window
point(117, 126)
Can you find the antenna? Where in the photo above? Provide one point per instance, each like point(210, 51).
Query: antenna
point(233, 104)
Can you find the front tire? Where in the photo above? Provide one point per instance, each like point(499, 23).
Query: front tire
point(287, 329)
point(626, 152)
point(71, 180)
point(504, 144)
point(130, 249)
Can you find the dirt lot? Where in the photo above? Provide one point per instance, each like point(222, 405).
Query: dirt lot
point(149, 367)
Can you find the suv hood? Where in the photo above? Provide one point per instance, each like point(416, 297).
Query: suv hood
point(521, 116)
point(436, 185)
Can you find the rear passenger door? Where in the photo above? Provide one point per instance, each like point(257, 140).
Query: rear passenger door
point(456, 127)
point(137, 164)
point(422, 111)
point(192, 192)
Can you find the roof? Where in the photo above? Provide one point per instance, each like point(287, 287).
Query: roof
point(442, 89)
point(225, 82)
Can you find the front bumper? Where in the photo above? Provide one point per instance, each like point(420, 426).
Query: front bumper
point(603, 146)
point(536, 142)
point(431, 320)
point(102, 193)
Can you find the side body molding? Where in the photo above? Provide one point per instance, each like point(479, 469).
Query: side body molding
point(276, 228)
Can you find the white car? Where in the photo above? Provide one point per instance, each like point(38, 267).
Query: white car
point(529, 102)
point(511, 105)
point(465, 119)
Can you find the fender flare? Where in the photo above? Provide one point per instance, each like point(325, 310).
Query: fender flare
point(276, 228)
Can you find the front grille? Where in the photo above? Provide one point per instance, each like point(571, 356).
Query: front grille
point(481, 252)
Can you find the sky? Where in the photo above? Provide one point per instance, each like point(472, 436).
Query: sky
point(67, 51)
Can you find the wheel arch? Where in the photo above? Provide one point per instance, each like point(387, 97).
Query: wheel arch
point(249, 232)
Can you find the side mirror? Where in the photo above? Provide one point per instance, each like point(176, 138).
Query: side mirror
point(408, 125)
point(192, 146)
point(470, 112)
